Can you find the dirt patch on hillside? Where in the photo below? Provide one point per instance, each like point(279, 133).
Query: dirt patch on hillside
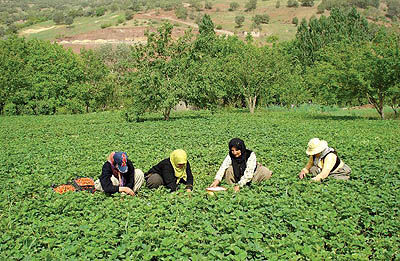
point(114, 36)
point(38, 30)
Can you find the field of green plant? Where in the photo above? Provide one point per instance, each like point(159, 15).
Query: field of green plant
point(284, 218)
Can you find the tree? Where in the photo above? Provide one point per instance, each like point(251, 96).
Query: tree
point(239, 20)
point(309, 3)
point(58, 18)
point(292, 3)
point(341, 25)
point(233, 6)
point(250, 5)
point(69, 20)
point(158, 81)
point(253, 70)
point(181, 12)
point(368, 70)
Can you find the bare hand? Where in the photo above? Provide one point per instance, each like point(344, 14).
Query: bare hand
point(236, 188)
point(302, 174)
point(215, 183)
point(315, 179)
point(127, 190)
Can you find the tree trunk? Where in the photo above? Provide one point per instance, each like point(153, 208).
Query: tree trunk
point(167, 111)
point(252, 103)
point(377, 104)
point(395, 110)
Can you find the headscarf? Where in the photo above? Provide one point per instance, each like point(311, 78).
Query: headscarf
point(115, 171)
point(179, 157)
point(239, 163)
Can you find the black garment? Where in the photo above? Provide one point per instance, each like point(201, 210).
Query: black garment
point(239, 164)
point(165, 169)
point(107, 173)
point(337, 163)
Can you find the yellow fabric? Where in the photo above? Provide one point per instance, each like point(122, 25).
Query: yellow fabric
point(326, 165)
point(179, 157)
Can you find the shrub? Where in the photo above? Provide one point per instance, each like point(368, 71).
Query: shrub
point(239, 20)
point(278, 4)
point(233, 6)
point(208, 5)
point(105, 25)
point(292, 3)
point(295, 21)
point(181, 13)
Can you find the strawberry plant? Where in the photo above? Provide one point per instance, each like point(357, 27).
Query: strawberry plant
point(283, 218)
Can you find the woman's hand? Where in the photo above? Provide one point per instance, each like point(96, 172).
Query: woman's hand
point(236, 188)
point(215, 183)
point(303, 173)
point(127, 190)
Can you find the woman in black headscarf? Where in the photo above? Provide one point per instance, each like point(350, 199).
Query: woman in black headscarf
point(240, 167)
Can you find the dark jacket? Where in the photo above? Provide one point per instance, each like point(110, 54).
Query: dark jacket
point(106, 174)
point(166, 171)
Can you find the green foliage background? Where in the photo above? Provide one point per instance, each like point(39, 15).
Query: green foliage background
point(283, 218)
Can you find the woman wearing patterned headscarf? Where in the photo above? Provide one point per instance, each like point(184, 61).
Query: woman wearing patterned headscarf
point(119, 175)
point(171, 172)
point(323, 161)
point(240, 167)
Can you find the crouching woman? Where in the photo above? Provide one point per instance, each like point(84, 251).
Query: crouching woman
point(171, 172)
point(119, 175)
point(324, 162)
point(240, 167)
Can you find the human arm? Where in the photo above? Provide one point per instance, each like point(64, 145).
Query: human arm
point(130, 175)
point(249, 171)
point(329, 163)
point(306, 169)
point(220, 173)
point(105, 179)
point(189, 177)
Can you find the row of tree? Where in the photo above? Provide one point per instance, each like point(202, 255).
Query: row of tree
point(340, 59)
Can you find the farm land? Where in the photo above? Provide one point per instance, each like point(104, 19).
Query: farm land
point(283, 218)
point(86, 32)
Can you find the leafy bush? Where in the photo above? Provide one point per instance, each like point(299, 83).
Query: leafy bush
point(105, 25)
point(292, 3)
point(208, 5)
point(239, 20)
point(233, 6)
point(295, 20)
point(309, 3)
point(250, 5)
point(278, 4)
point(181, 12)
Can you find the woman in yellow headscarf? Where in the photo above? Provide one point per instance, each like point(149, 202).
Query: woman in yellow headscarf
point(171, 172)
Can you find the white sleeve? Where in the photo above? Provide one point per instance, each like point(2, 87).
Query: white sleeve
point(249, 171)
point(227, 162)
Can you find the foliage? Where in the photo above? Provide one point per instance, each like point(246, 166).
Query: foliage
point(393, 8)
point(159, 82)
point(307, 3)
point(278, 4)
point(233, 6)
point(292, 3)
point(239, 20)
point(295, 21)
point(181, 12)
point(283, 218)
point(250, 5)
point(341, 25)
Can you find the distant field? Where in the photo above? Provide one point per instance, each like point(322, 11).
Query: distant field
point(280, 21)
